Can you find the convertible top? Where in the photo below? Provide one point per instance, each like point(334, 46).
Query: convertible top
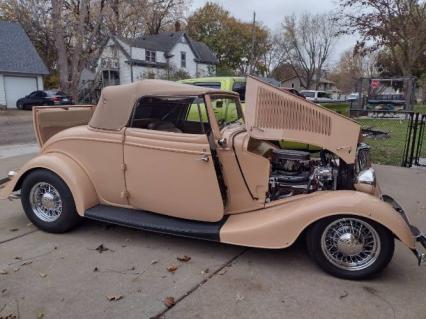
point(116, 102)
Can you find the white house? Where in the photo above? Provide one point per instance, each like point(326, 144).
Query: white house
point(21, 68)
point(124, 61)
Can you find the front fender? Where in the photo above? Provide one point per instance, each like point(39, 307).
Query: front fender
point(280, 225)
point(78, 182)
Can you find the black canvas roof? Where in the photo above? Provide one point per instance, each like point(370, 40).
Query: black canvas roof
point(17, 53)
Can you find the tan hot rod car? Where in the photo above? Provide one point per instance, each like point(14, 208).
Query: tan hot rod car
point(183, 160)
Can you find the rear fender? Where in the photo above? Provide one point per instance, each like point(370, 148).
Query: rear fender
point(280, 225)
point(80, 185)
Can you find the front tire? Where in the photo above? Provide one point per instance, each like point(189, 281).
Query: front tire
point(350, 247)
point(48, 202)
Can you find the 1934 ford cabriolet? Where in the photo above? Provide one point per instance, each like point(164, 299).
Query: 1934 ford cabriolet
point(184, 160)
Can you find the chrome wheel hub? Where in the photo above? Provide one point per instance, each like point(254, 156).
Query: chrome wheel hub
point(45, 202)
point(351, 244)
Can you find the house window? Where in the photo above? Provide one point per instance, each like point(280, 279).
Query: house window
point(183, 59)
point(150, 56)
point(114, 51)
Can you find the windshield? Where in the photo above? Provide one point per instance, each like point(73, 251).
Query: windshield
point(227, 110)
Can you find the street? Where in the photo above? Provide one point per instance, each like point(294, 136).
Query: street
point(16, 127)
point(134, 272)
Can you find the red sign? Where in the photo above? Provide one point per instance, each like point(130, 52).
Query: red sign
point(375, 84)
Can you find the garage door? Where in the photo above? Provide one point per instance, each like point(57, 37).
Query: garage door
point(16, 87)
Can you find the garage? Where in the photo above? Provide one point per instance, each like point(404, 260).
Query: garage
point(16, 87)
point(21, 68)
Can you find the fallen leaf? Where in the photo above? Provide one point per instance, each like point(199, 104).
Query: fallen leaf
point(3, 272)
point(95, 269)
point(4, 290)
point(184, 258)
point(123, 246)
point(55, 247)
point(43, 275)
point(18, 258)
point(29, 262)
point(29, 224)
point(16, 269)
point(205, 271)
point(127, 240)
point(169, 302)
point(40, 315)
point(344, 295)
point(101, 248)
point(172, 268)
point(114, 297)
point(13, 229)
point(239, 298)
point(154, 262)
point(222, 272)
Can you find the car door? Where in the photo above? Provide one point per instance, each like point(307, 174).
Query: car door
point(169, 164)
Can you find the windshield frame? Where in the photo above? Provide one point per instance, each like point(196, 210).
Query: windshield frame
point(213, 121)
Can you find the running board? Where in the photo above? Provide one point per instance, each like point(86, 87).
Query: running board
point(158, 223)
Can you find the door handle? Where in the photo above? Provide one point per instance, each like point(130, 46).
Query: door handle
point(204, 158)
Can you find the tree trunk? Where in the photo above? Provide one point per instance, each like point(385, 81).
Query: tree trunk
point(59, 36)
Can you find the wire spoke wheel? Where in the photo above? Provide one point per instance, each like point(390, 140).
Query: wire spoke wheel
point(45, 202)
point(350, 244)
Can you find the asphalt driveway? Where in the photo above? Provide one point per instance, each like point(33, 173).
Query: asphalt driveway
point(134, 272)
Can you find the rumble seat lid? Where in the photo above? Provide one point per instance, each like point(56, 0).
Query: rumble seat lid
point(273, 114)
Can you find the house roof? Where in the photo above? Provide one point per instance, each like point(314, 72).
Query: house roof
point(165, 42)
point(17, 53)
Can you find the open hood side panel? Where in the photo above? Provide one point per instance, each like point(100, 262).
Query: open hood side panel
point(272, 114)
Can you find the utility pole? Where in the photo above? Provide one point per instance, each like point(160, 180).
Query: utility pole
point(253, 41)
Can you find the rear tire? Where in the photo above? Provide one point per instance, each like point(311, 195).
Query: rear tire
point(350, 247)
point(48, 202)
point(19, 105)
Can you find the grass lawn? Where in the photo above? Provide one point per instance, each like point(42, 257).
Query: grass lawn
point(387, 151)
point(421, 108)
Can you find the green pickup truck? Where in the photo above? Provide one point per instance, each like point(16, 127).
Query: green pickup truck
point(235, 84)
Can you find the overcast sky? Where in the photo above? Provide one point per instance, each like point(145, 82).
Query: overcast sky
point(271, 13)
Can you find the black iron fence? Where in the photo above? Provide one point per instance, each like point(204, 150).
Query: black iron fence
point(419, 144)
point(395, 137)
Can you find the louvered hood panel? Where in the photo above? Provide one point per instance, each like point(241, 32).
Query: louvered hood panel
point(273, 114)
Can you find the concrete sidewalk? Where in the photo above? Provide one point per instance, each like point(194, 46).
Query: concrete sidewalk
point(64, 276)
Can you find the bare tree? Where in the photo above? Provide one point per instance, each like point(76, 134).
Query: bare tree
point(77, 26)
point(307, 42)
point(273, 56)
point(398, 25)
point(352, 66)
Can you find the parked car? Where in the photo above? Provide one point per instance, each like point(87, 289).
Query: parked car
point(225, 83)
point(293, 91)
point(40, 98)
point(352, 97)
point(138, 161)
point(317, 96)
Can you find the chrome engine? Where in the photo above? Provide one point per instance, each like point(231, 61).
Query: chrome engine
point(294, 172)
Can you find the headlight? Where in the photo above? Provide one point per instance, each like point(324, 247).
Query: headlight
point(363, 161)
point(11, 174)
point(367, 176)
point(366, 181)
